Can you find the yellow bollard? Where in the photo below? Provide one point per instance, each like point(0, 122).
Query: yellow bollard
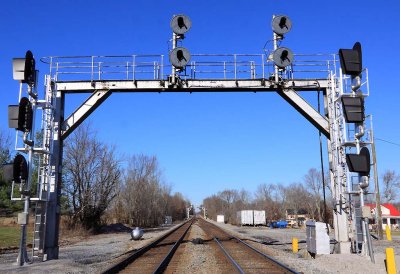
point(388, 234)
point(390, 263)
point(295, 245)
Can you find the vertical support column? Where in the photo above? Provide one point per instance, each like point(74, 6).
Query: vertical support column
point(51, 248)
point(25, 188)
point(361, 236)
point(338, 180)
point(173, 72)
point(275, 66)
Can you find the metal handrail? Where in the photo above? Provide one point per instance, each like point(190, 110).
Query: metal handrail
point(202, 66)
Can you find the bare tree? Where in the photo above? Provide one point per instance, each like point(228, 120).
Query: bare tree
point(313, 181)
point(281, 197)
point(391, 184)
point(214, 206)
point(297, 197)
point(226, 202)
point(268, 198)
point(265, 192)
point(178, 206)
point(146, 197)
point(229, 198)
point(140, 189)
point(91, 176)
point(244, 198)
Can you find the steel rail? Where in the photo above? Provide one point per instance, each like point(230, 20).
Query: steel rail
point(124, 263)
point(238, 268)
point(267, 257)
point(167, 259)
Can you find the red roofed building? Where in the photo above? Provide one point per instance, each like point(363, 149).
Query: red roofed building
point(390, 215)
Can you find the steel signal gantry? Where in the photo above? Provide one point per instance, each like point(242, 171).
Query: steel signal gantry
point(283, 72)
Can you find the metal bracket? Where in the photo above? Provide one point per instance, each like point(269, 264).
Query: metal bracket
point(80, 114)
point(306, 110)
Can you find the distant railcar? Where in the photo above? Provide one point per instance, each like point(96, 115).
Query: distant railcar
point(251, 217)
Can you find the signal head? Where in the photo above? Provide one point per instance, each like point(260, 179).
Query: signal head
point(20, 169)
point(25, 115)
point(30, 70)
point(179, 57)
point(360, 163)
point(24, 69)
point(20, 116)
point(180, 24)
point(282, 57)
point(281, 24)
point(351, 60)
point(353, 109)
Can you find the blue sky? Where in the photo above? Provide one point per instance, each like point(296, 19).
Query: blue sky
point(208, 142)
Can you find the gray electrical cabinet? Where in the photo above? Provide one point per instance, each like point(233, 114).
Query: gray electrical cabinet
point(317, 238)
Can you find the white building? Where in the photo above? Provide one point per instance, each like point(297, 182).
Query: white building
point(390, 215)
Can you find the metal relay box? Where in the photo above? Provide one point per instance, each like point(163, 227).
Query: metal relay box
point(317, 238)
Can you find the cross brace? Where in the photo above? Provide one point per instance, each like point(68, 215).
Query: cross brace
point(306, 110)
point(80, 114)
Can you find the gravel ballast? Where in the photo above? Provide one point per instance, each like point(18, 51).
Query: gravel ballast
point(325, 264)
point(95, 254)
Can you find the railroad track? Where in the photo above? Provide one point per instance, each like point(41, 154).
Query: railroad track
point(230, 253)
point(154, 257)
point(244, 257)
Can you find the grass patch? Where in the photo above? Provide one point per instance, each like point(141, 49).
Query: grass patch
point(11, 235)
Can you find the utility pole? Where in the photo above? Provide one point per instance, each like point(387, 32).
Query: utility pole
point(378, 210)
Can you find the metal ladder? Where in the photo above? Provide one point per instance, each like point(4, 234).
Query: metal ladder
point(337, 133)
point(39, 229)
point(44, 176)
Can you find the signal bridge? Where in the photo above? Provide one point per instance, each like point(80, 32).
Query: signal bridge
point(152, 68)
point(341, 120)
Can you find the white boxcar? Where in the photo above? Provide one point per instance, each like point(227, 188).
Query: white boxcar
point(245, 217)
point(220, 219)
point(259, 217)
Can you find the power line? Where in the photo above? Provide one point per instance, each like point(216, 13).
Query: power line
point(396, 144)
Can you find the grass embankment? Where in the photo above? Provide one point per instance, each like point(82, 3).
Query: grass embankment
point(11, 235)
